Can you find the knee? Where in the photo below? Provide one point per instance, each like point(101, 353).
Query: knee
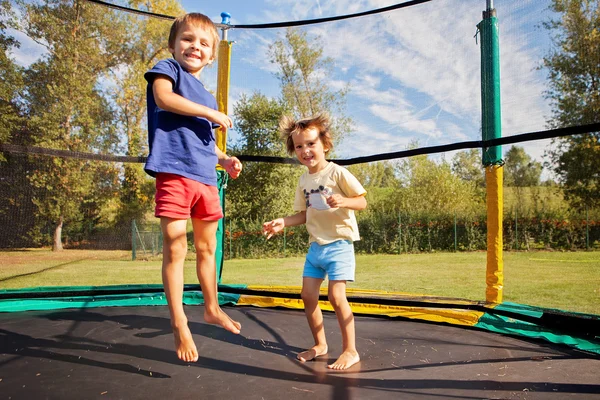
point(175, 249)
point(309, 298)
point(206, 249)
point(336, 298)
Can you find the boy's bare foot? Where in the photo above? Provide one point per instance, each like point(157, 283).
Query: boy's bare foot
point(184, 344)
point(220, 318)
point(312, 353)
point(345, 361)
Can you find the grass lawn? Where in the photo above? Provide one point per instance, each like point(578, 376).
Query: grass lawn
point(569, 280)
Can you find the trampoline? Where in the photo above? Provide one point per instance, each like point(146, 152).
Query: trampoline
point(75, 347)
point(127, 353)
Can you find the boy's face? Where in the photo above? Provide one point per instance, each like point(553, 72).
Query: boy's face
point(193, 48)
point(310, 150)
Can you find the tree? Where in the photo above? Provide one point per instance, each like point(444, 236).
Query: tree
point(376, 175)
point(67, 110)
point(468, 167)
point(11, 80)
point(265, 189)
point(520, 169)
point(574, 79)
point(301, 66)
point(431, 189)
point(148, 44)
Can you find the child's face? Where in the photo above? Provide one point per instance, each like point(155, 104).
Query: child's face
point(310, 150)
point(193, 48)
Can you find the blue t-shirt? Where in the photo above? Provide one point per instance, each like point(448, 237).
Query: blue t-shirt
point(180, 144)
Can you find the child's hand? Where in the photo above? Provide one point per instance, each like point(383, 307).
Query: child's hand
point(272, 227)
point(221, 119)
point(336, 201)
point(233, 166)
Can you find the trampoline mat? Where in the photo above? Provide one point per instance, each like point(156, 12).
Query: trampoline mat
point(128, 353)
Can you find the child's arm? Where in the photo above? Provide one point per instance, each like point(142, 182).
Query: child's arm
point(232, 165)
point(165, 98)
point(272, 227)
point(353, 203)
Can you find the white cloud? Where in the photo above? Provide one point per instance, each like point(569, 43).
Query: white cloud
point(29, 51)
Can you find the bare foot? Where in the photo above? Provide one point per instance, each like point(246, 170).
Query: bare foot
point(184, 344)
point(345, 361)
point(220, 318)
point(312, 353)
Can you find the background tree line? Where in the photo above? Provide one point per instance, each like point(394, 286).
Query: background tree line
point(86, 93)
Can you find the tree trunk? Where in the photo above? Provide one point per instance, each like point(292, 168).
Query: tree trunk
point(57, 244)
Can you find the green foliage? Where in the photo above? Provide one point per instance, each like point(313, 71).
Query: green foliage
point(376, 175)
point(264, 191)
point(467, 165)
point(429, 187)
point(519, 169)
point(301, 71)
point(147, 40)
point(574, 79)
point(67, 110)
point(11, 79)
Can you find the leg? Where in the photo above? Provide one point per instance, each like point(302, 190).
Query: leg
point(174, 250)
point(310, 297)
point(205, 242)
point(343, 312)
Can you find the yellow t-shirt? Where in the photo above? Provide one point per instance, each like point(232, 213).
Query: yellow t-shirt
point(324, 224)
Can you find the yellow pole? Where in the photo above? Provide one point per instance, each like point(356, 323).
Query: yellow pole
point(494, 277)
point(223, 74)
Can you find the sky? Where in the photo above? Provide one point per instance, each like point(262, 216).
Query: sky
point(413, 73)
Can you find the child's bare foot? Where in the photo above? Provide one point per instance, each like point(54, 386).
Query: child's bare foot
point(312, 353)
point(345, 361)
point(184, 344)
point(220, 318)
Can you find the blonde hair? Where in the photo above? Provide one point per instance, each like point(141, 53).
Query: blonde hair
point(320, 122)
point(196, 20)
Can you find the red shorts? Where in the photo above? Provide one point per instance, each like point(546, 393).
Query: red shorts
point(181, 198)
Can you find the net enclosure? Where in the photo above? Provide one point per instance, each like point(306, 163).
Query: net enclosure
point(472, 125)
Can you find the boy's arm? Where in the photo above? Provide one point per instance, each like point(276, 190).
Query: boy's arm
point(272, 227)
point(352, 203)
point(165, 98)
point(232, 165)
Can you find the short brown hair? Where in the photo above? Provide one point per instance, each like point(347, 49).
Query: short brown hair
point(194, 19)
point(288, 127)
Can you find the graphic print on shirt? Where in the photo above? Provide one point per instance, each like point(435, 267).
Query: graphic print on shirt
point(317, 198)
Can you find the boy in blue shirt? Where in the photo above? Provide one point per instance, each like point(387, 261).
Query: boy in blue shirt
point(183, 156)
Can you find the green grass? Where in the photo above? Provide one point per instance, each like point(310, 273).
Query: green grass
point(568, 281)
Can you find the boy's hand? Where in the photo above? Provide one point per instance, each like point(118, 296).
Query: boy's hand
point(336, 201)
point(233, 166)
point(219, 118)
point(272, 227)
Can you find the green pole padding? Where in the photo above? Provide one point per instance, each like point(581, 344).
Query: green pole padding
point(491, 127)
point(221, 185)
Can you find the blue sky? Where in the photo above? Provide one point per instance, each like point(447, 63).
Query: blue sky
point(414, 73)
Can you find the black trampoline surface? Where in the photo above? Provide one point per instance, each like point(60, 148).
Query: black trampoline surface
point(127, 353)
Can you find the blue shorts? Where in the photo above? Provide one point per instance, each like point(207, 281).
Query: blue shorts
point(334, 260)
